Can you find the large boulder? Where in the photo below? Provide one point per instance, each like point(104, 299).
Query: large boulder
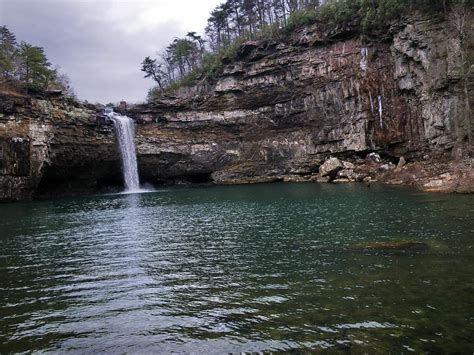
point(347, 174)
point(331, 167)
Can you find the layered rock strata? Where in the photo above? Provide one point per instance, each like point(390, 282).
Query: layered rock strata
point(277, 113)
point(53, 145)
point(283, 108)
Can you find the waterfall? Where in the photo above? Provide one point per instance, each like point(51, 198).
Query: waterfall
point(125, 132)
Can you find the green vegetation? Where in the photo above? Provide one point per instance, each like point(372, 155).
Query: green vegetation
point(193, 58)
point(26, 67)
point(299, 19)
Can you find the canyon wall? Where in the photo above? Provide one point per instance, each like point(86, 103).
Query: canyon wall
point(53, 145)
point(280, 110)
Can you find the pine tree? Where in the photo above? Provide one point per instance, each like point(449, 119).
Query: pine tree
point(34, 67)
point(8, 52)
point(153, 70)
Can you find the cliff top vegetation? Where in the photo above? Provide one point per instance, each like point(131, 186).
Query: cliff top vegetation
point(194, 57)
point(25, 68)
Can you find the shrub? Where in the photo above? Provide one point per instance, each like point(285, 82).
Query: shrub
point(299, 19)
point(270, 32)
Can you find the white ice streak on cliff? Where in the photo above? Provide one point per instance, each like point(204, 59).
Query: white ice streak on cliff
point(380, 110)
point(364, 63)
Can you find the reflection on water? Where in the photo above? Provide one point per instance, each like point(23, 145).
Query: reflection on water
point(238, 268)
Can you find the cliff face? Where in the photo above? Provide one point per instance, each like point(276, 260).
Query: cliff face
point(50, 145)
point(280, 110)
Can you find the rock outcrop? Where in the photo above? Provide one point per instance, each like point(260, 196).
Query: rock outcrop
point(277, 113)
point(53, 145)
point(283, 108)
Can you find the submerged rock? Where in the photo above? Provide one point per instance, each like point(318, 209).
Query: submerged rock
point(296, 178)
point(253, 180)
point(391, 247)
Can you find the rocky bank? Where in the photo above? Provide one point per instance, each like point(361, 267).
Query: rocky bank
point(278, 113)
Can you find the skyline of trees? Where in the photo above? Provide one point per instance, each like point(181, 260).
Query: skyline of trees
point(236, 18)
point(28, 65)
point(231, 21)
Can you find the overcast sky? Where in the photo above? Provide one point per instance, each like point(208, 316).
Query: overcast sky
point(101, 43)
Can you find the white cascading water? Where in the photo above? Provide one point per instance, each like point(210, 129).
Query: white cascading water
point(125, 133)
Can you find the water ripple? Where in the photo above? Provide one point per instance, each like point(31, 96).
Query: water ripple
point(232, 269)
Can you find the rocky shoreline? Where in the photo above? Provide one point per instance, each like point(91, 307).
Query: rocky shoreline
point(428, 176)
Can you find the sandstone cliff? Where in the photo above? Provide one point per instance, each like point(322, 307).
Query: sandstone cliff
point(54, 145)
point(284, 107)
point(280, 110)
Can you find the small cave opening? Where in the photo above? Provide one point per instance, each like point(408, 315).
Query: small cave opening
point(188, 179)
point(200, 178)
point(76, 181)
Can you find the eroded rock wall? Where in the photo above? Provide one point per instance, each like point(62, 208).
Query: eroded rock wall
point(281, 109)
point(51, 145)
point(284, 107)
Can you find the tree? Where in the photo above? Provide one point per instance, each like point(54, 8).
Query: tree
point(199, 40)
point(62, 82)
point(8, 52)
point(236, 16)
point(215, 27)
point(34, 67)
point(248, 7)
point(182, 51)
point(29, 66)
point(153, 70)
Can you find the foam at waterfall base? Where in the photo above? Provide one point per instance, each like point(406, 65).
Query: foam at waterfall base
point(137, 191)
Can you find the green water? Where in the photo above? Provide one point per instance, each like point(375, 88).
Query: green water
point(238, 268)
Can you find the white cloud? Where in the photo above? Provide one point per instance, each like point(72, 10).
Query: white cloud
point(100, 44)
